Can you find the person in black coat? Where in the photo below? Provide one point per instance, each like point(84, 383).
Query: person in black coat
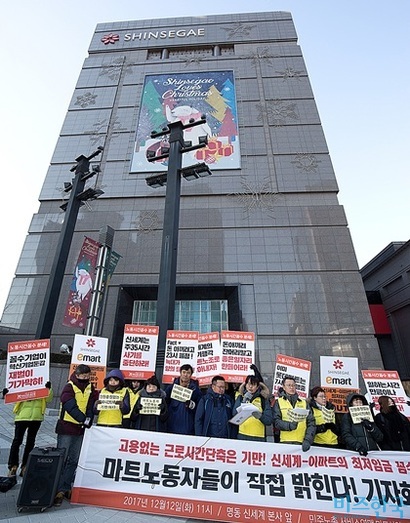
point(155, 422)
point(361, 437)
point(394, 426)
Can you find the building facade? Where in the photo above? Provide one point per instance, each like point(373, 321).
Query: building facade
point(386, 279)
point(264, 244)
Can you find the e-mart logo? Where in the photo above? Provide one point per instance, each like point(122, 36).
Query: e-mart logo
point(112, 38)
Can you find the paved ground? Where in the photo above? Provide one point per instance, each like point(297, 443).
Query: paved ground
point(67, 513)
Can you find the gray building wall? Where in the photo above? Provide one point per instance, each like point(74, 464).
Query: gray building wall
point(270, 236)
point(388, 273)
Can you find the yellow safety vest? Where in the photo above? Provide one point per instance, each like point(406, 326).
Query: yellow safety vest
point(252, 426)
point(324, 438)
point(133, 400)
point(297, 435)
point(81, 398)
point(112, 417)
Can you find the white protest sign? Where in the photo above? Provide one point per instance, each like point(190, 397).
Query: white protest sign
point(238, 354)
point(28, 369)
point(180, 348)
point(295, 367)
point(139, 351)
point(386, 383)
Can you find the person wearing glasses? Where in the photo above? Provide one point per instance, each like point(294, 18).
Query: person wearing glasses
point(214, 411)
point(292, 429)
point(324, 412)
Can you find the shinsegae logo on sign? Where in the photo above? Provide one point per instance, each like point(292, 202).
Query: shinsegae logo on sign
point(112, 38)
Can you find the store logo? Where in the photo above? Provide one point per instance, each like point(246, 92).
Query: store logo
point(337, 364)
point(90, 342)
point(110, 39)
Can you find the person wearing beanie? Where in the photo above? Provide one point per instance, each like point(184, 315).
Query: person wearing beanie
point(256, 392)
point(150, 411)
point(114, 393)
point(76, 414)
point(324, 412)
point(394, 426)
point(294, 432)
point(360, 437)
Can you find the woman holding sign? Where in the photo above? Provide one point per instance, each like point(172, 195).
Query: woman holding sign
point(359, 432)
point(324, 413)
point(150, 411)
point(255, 393)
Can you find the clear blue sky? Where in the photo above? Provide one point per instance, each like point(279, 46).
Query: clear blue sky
point(357, 55)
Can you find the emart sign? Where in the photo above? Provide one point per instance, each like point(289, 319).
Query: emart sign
point(339, 372)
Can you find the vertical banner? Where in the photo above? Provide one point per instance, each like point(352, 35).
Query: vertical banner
point(180, 348)
point(295, 367)
point(386, 383)
point(186, 96)
point(91, 351)
point(81, 285)
point(339, 376)
point(139, 351)
point(238, 354)
point(209, 358)
point(28, 370)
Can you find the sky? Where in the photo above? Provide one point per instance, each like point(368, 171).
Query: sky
point(357, 56)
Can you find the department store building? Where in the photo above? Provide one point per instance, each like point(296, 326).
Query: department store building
point(264, 244)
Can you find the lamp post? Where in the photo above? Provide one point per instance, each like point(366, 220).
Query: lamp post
point(169, 248)
point(77, 197)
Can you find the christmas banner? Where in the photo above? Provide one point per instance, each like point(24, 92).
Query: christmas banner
point(81, 285)
point(186, 97)
point(232, 480)
point(28, 370)
point(139, 351)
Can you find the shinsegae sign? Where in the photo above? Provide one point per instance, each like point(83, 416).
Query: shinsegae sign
point(112, 38)
point(173, 33)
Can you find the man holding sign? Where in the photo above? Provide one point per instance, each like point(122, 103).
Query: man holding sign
point(182, 398)
point(292, 417)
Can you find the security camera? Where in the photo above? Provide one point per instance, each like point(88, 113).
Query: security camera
point(65, 349)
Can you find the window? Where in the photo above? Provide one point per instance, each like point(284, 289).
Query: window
point(193, 315)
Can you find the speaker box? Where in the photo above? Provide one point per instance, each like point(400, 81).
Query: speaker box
point(41, 477)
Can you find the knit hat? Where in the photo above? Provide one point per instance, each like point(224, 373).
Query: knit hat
point(153, 380)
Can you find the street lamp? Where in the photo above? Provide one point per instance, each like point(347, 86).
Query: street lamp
point(77, 198)
point(169, 249)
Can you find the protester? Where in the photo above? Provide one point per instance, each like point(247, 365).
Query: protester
point(150, 411)
point(76, 414)
point(394, 425)
point(134, 386)
point(291, 431)
point(325, 418)
point(360, 437)
point(28, 416)
point(214, 411)
point(257, 393)
point(181, 419)
point(116, 392)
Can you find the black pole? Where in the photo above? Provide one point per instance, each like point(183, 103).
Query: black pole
point(48, 310)
point(169, 249)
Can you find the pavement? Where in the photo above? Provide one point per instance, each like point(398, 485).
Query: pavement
point(67, 512)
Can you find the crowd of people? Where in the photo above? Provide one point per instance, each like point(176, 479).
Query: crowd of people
point(183, 408)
